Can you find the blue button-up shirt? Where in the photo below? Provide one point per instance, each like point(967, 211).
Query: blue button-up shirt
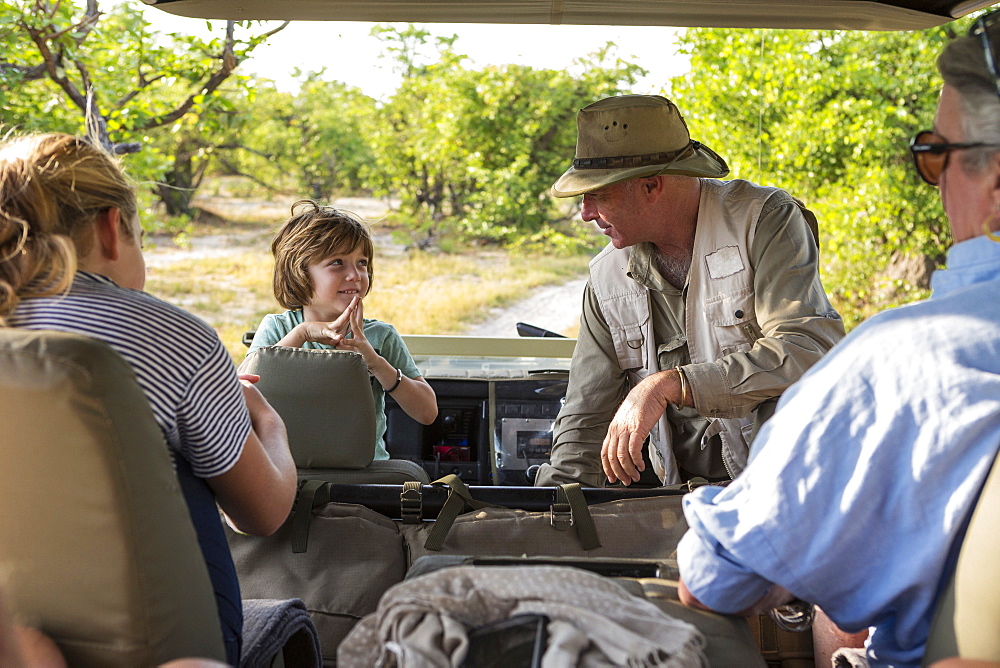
point(860, 487)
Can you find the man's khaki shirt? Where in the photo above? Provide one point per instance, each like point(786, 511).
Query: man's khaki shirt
point(798, 326)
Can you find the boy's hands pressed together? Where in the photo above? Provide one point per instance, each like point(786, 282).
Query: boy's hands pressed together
point(330, 333)
point(384, 372)
point(358, 342)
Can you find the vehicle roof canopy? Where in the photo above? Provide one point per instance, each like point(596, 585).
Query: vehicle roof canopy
point(824, 14)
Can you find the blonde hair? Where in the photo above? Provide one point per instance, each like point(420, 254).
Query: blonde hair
point(314, 232)
point(52, 188)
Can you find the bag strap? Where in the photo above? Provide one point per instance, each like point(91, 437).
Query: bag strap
point(308, 498)
point(569, 498)
point(459, 501)
point(411, 502)
point(580, 516)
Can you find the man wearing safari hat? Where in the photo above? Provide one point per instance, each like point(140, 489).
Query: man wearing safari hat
point(706, 303)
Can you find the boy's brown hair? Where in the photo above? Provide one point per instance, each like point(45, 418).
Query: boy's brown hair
point(312, 233)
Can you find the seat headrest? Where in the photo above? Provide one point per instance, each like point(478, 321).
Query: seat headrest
point(325, 399)
point(96, 544)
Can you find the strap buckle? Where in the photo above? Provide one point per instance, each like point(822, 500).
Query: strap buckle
point(411, 502)
point(561, 516)
point(796, 615)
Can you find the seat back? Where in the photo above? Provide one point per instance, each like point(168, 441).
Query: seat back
point(325, 399)
point(97, 548)
point(967, 622)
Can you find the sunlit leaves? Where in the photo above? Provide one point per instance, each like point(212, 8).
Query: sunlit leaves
point(475, 151)
point(828, 115)
point(172, 91)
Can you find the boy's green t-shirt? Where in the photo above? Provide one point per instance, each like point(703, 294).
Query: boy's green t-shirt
point(384, 339)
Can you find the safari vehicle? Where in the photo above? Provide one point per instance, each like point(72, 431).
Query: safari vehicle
point(498, 398)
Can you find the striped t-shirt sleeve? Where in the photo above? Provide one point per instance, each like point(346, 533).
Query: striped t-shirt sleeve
point(212, 419)
point(179, 361)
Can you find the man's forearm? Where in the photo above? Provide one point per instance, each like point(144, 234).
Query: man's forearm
point(774, 597)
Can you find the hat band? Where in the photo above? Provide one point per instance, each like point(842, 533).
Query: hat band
point(628, 161)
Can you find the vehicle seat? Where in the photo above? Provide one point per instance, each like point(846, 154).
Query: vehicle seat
point(325, 399)
point(97, 548)
point(967, 622)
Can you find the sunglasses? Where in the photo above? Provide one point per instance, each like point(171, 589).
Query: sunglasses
point(930, 151)
point(930, 154)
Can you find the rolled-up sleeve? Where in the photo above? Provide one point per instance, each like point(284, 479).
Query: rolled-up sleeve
point(597, 386)
point(710, 572)
point(798, 325)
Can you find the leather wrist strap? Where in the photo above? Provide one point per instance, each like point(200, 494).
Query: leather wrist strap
point(399, 379)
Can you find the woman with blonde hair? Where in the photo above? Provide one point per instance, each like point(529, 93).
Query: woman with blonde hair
point(71, 261)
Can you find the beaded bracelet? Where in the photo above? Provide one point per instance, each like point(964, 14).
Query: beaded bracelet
point(399, 379)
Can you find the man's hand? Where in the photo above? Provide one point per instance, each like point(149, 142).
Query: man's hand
point(774, 597)
point(621, 454)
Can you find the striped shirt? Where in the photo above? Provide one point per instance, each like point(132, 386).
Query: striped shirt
point(180, 364)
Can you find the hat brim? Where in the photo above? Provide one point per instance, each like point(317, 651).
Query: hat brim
point(704, 162)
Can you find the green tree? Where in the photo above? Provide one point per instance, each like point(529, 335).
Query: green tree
point(811, 112)
point(335, 152)
point(314, 142)
point(113, 74)
point(475, 151)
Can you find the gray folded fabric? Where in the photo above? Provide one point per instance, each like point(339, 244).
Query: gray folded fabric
point(270, 626)
point(594, 623)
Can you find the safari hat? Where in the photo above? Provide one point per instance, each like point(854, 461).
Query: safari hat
point(624, 137)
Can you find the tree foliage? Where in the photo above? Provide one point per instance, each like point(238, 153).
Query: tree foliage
point(315, 141)
point(67, 66)
point(828, 116)
point(475, 151)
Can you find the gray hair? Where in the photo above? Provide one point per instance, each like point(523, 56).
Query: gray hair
point(963, 67)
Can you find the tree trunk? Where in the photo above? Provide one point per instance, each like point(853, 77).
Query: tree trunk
point(178, 187)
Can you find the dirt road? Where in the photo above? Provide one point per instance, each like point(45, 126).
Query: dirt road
point(556, 308)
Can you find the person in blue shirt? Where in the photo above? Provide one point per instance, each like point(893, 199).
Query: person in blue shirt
point(861, 486)
point(323, 269)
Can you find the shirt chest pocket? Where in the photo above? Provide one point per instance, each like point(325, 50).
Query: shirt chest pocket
point(734, 320)
point(628, 322)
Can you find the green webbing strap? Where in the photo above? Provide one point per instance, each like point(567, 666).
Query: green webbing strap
point(410, 502)
point(304, 503)
point(694, 483)
point(459, 501)
point(580, 513)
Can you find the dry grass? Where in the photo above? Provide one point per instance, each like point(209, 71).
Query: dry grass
point(225, 275)
point(419, 293)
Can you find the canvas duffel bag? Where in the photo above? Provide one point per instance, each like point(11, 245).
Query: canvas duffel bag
point(350, 557)
point(639, 527)
point(509, 613)
point(345, 545)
